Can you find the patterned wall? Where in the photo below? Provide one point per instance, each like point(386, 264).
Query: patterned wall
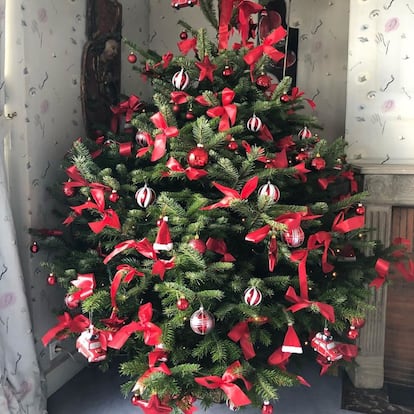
point(380, 92)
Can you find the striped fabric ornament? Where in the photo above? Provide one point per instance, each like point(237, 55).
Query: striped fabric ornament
point(254, 123)
point(180, 80)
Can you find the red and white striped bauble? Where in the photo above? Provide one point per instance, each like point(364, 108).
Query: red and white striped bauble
point(254, 123)
point(294, 237)
point(305, 133)
point(202, 321)
point(180, 80)
point(142, 138)
point(253, 296)
point(231, 406)
point(145, 196)
point(270, 190)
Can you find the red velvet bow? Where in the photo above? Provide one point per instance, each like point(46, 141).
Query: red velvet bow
point(327, 311)
point(246, 9)
point(226, 12)
point(241, 333)
point(179, 97)
point(319, 239)
point(109, 217)
point(227, 112)
point(297, 93)
point(143, 246)
point(233, 391)
point(153, 406)
point(190, 172)
point(66, 325)
point(186, 45)
point(78, 181)
point(85, 284)
point(219, 246)
point(126, 272)
point(351, 177)
point(279, 161)
point(161, 266)
point(152, 333)
point(127, 107)
point(165, 60)
point(279, 358)
point(341, 225)
point(382, 268)
point(231, 195)
point(161, 139)
point(252, 56)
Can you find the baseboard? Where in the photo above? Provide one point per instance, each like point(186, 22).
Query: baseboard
point(59, 375)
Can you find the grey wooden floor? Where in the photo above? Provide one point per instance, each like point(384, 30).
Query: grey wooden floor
point(92, 392)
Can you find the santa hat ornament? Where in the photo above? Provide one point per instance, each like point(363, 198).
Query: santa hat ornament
point(163, 240)
point(291, 342)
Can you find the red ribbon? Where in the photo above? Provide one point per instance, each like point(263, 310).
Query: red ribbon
point(279, 161)
point(226, 11)
point(324, 182)
point(152, 333)
point(272, 253)
point(127, 107)
point(266, 48)
point(241, 333)
point(179, 97)
point(341, 225)
point(219, 246)
point(227, 111)
point(126, 272)
point(161, 266)
point(246, 9)
point(279, 358)
point(161, 139)
point(86, 284)
point(382, 268)
point(191, 173)
point(143, 247)
point(351, 177)
point(186, 45)
point(225, 383)
point(153, 406)
point(231, 195)
point(301, 256)
point(78, 181)
point(109, 217)
point(265, 134)
point(327, 311)
point(407, 272)
point(322, 239)
point(348, 351)
point(66, 324)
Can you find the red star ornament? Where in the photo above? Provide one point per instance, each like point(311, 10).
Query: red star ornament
point(153, 406)
point(206, 69)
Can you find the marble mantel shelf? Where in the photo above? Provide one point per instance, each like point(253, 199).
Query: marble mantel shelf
point(377, 168)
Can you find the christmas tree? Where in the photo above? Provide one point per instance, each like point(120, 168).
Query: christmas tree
point(210, 238)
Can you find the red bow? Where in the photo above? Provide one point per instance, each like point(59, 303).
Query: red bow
point(226, 11)
point(227, 112)
point(241, 333)
point(86, 284)
point(179, 97)
point(161, 139)
point(246, 8)
point(143, 246)
point(327, 311)
point(127, 107)
point(348, 351)
point(153, 406)
point(126, 272)
point(325, 181)
point(186, 45)
point(109, 217)
point(161, 266)
point(66, 324)
point(382, 268)
point(190, 172)
point(233, 391)
point(341, 225)
point(162, 368)
point(297, 93)
point(351, 177)
point(231, 195)
point(78, 181)
point(165, 60)
point(319, 239)
point(279, 161)
point(219, 246)
point(252, 56)
point(279, 358)
point(152, 333)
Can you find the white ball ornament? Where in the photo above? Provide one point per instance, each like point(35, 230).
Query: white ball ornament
point(270, 190)
point(294, 237)
point(180, 80)
point(253, 296)
point(254, 123)
point(202, 321)
point(145, 196)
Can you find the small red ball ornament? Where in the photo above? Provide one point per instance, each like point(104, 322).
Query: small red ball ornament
point(189, 115)
point(34, 248)
point(197, 157)
point(353, 333)
point(253, 296)
point(71, 302)
point(270, 190)
point(294, 237)
point(183, 35)
point(180, 80)
point(254, 123)
point(114, 196)
point(263, 82)
point(182, 304)
point(318, 163)
point(142, 138)
point(202, 321)
point(267, 408)
point(176, 108)
point(227, 71)
point(358, 322)
point(132, 57)
point(232, 145)
point(285, 98)
point(198, 245)
point(145, 196)
point(360, 209)
point(135, 400)
point(51, 280)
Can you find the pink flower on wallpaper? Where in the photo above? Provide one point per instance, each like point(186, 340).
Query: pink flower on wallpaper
point(7, 299)
point(392, 24)
point(42, 15)
point(388, 105)
point(44, 106)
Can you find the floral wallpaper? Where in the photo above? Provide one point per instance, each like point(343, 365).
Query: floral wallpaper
point(380, 91)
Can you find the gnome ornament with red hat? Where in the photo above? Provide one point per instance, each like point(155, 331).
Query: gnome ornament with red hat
point(163, 239)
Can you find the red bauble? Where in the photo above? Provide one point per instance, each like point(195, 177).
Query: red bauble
point(71, 302)
point(253, 296)
point(202, 321)
point(254, 123)
point(182, 304)
point(51, 280)
point(318, 163)
point(270, 190)
point(232, 145)
point(267, 408)
point(263, 82)
point(285, 98)
point(353, 333)
point(358, 323)
point(135, 399)
point(183, 35)
point(114, 196)
point(305, 133)
point(142, 138)
point(294, 237)
point(68, 190)
point(145, 196)
point(132, 57)
point(176, 108)
point(34, 248)
point(227, 71)
point(198, 245)
point(189, 115)
point(360, 209)
point(197, 157)
point(180, 80)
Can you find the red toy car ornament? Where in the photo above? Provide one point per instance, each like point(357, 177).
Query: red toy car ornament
point(90, 346)
point(324, 345)
point(177, 4)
